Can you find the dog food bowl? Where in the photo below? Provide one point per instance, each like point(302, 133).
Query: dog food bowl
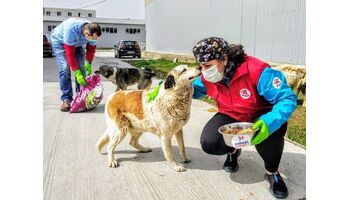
point(236, 140)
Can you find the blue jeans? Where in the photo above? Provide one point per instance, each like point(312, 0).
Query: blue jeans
point(64, 72)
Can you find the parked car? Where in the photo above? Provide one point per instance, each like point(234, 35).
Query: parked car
point(127, 48)
point(47, 47)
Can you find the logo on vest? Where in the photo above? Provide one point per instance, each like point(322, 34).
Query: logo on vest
point(245, 93)
point(276, 82)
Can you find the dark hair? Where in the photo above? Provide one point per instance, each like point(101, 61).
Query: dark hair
point(93, 28)
point(236, 54)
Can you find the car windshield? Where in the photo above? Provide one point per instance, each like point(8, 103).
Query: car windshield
point(129, 43)
point(44, 38)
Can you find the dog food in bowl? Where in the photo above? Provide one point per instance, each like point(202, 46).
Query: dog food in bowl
point(234, 131)
point(237, 134)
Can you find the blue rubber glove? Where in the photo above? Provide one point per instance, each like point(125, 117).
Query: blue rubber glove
point(262, 134)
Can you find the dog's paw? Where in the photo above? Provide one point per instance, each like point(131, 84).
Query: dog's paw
point(113, 163)
point(179, 168)
point(186, 160)
point(146, 150)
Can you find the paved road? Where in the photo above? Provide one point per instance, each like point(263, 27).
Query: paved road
point(50, 66)
point(74, 170)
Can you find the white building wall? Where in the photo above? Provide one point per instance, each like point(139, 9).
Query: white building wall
point(110, 39)
point(107, 40)
point(64, 12)
point(273, 30)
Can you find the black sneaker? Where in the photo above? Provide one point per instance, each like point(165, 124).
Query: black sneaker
point(231, 164)
point(277, 186)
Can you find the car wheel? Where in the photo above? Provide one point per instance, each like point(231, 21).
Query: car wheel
point(119, 56)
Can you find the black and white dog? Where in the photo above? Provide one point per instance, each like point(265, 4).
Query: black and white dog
point(124, 77)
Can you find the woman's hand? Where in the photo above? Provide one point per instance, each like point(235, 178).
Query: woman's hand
point(262, 134)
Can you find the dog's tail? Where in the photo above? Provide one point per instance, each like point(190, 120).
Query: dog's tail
point(104, 139)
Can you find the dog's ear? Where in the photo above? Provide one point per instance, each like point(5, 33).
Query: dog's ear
point(169, 82)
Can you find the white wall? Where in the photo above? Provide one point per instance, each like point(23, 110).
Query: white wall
point(110, 39)
point(107, 40)
point(64, 12)
point(273, 30)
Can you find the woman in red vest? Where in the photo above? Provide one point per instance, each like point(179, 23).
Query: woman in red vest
point(245, 89)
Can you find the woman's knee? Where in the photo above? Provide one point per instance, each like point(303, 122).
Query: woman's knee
point(213, 147)
point(211, 140)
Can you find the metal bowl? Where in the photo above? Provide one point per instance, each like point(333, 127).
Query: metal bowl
point(237, 140)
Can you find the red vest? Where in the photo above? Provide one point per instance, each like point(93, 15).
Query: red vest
point(241, 100)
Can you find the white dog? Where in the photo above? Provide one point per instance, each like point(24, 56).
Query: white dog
point(129, 112)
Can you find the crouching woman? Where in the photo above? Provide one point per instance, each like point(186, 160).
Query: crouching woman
point(245, 89)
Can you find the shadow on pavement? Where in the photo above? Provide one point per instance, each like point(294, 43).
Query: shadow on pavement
point(99, 109)
point(292, 167)
point(251, 166)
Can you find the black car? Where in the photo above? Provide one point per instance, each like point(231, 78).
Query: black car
point(127, 48)
point(47, 46)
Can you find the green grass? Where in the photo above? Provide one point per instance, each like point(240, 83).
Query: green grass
point(161, 67)
point(296, 124)
point(104, 49)
point(209, 100)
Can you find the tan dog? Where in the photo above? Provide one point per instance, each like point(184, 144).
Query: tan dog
point(129, 112)
point(296, 78)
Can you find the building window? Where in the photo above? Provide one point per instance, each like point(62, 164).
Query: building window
point(53, 27)
point(58, 13)
point(69, 14)
point(103, 29)
point(49, 28)
point(133, 30)
point(107, 29)
point(90, 14)
point(78, 14)
point(111, 30)
point(48, 13)
point(115, 30)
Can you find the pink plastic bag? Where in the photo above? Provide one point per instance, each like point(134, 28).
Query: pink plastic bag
point(88, 97)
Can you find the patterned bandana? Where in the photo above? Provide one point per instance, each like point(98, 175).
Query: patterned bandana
point(209, 49)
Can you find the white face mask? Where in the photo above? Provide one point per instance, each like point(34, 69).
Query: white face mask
point(89, 39)
point(212, 74)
